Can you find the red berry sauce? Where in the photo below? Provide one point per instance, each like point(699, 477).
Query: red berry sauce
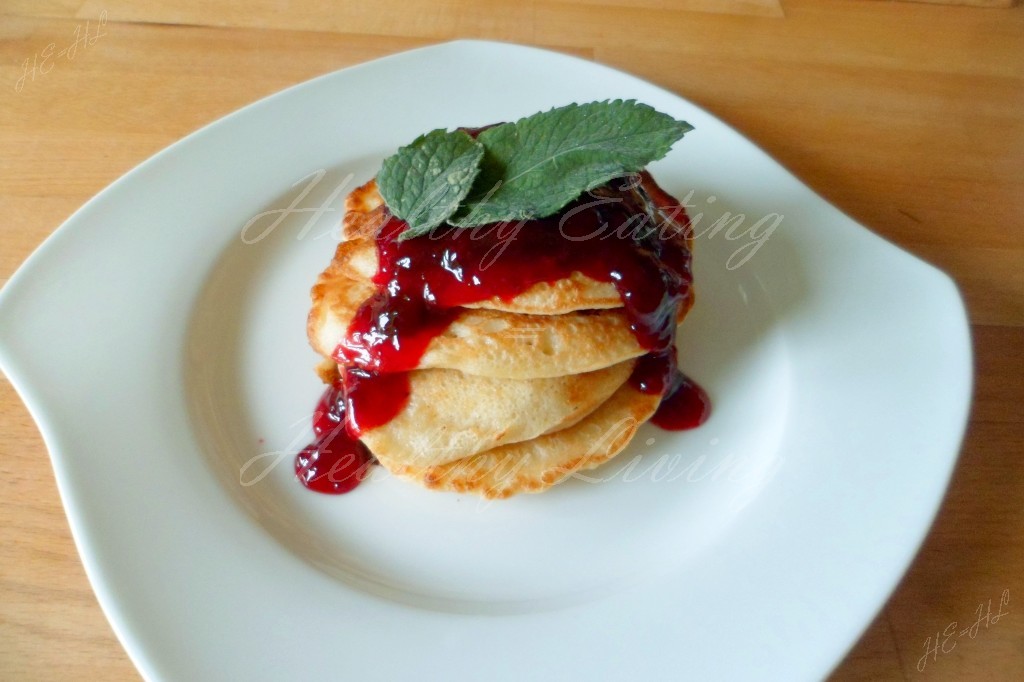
point(335, 462)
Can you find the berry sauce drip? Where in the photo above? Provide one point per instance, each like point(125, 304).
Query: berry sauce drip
point(684, 404)
point(625, 233)
point(335, 462)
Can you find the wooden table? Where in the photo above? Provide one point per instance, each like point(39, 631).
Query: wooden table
point(908, 117)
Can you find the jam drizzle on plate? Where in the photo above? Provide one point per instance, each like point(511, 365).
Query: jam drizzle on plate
point(335, 462)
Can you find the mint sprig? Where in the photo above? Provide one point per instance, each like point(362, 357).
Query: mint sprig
point(537, 165)
point(424, 182)
point(524, 170)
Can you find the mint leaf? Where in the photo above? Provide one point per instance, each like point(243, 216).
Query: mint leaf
point(537, 165)
point(424, 182)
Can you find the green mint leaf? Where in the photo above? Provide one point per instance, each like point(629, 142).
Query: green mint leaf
point(537, 165)
point(424, 182)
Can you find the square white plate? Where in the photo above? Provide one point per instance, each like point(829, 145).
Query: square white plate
point(158, 339)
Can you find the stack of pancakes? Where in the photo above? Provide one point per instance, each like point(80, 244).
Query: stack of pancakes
point(514, 396)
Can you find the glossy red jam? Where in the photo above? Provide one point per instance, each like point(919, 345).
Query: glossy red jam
point(335, 462)
point(421, 281)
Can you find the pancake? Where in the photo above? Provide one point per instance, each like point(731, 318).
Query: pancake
point(513, 395)
point(534, 465)
point(486, 342)
point(451, 415)
point(360, 202)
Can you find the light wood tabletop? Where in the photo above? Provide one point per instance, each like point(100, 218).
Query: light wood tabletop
point(908, 117)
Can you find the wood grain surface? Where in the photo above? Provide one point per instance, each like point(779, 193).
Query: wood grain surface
point(908, 117)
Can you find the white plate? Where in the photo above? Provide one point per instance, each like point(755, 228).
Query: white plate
point(159, 344)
